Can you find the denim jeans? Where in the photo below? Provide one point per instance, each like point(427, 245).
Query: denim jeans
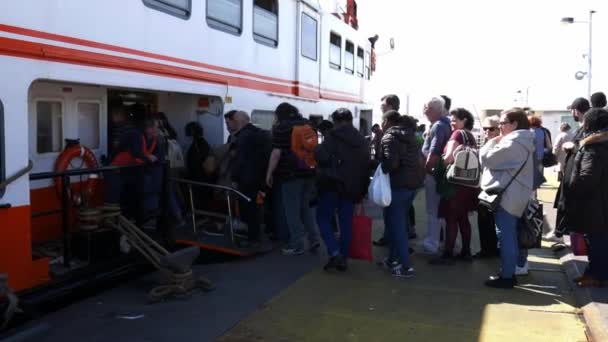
point(278, 212)
point(506, 226)
point(297, 194)
point(329, 203)
point(431, 241)
point(397, 224)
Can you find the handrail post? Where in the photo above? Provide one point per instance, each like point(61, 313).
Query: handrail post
point(192, 210)
point(65, 213)
point(230, 227)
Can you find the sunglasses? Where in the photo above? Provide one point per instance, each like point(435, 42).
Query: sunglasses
point(490, 129)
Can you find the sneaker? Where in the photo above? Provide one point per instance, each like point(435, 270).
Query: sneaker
point(292, 251)
point(385, 263)
point(501, 283)
point(551, 237)
point(381, 242)
point(522, 271)
point(399, 271)
point(314, 246)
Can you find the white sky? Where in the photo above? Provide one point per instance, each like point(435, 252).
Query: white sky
point(480, 52)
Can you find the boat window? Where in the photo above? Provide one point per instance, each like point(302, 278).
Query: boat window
point(360, 62)
point(309, 37)
point(266, 22)
point(368, 69)
point(2, 154)
point(178, 8)
point(49, 126)
point(349, 58)
point(263, 118)
point(225, 15)
point(335, 51)
point(89, 114)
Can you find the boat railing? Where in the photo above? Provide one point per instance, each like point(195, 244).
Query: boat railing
point(230, 193)
point(67, 203)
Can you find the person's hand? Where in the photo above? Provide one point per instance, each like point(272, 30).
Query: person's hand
point(152, 158)
point(568, 146)
point(269, 180)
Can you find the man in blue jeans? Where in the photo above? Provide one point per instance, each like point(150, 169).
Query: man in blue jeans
point(297, 183)
point(343, 163)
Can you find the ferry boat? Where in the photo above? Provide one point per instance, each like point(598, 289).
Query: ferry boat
point(65, 64)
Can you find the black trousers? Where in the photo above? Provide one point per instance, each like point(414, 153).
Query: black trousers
point(487, 230)
point(250, 214)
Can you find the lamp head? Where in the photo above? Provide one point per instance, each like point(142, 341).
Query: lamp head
point(580, 75)
point(567, 20)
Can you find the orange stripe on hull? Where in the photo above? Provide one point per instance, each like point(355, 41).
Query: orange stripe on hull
point(34, 50)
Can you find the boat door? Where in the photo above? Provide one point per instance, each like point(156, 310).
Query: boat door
point(308, 66)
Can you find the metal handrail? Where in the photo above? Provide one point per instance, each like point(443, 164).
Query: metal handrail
point(228, 191)
point(85, 171)
point(17, 175)
point(213, 186)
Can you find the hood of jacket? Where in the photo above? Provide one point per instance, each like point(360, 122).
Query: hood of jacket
point(349, 135)
point(595, 138)
point(523, 137)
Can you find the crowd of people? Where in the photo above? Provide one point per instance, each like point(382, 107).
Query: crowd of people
point(309, 179)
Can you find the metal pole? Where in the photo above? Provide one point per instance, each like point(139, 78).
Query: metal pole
point(65, 216)
point(589, 59)
point(192, 210)
point(230, 227)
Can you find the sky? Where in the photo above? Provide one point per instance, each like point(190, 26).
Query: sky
point(481, 53)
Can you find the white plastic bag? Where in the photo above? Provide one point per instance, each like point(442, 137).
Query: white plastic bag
point(380, 188)
point(175, 154)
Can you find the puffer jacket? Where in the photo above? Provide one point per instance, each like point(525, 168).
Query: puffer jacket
point(585, 196)
point(402, 159)
point(344, 158)
point(501, 161)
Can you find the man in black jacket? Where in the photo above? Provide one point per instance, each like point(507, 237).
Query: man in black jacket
point(343, 160)
point(252, 149)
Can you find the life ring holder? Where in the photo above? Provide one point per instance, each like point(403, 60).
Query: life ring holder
point(72, 151)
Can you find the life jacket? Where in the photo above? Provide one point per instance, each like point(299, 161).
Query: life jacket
point(126, 157)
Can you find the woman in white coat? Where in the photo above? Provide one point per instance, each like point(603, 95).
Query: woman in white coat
point(502, 158)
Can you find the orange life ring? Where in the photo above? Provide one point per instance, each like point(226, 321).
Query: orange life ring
point(63, 162)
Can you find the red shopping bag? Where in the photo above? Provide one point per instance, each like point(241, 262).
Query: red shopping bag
point(578, 244)
point(361, 243)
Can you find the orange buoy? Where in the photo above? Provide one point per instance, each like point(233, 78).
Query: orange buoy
point(71, 152)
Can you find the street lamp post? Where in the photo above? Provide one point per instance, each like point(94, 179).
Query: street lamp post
point(570, 20)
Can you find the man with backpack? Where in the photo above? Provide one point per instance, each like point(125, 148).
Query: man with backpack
point(343, 159)
point(293, 166)
point(252, 149)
